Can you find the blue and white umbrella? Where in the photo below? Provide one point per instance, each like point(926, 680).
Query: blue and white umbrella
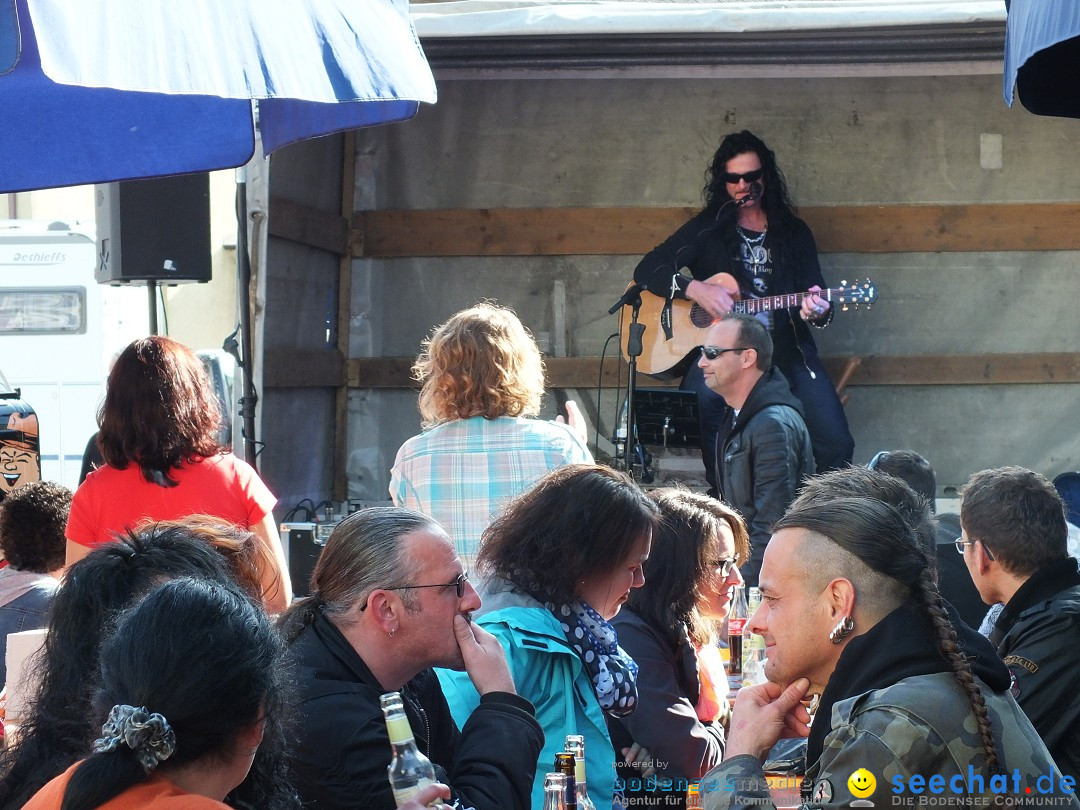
point(1042, 56)
point(100, 90)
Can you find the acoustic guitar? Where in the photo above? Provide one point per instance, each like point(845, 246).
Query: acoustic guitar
point(667, 357)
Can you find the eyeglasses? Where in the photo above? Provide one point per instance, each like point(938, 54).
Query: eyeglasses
point(749, 177)
point(724, 566)
point(875, 462)
point(458, 584)
point(712, 352)
point(961, 542)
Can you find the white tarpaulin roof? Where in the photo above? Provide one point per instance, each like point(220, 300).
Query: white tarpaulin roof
point(491, 18)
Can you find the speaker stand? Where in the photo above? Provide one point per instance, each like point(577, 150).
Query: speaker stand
point(151, 294)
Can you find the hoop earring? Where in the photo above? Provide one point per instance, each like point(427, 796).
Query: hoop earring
point(842, 630)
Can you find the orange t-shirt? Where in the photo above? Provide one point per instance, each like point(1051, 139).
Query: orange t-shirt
point(156, 793)
point(112, 500)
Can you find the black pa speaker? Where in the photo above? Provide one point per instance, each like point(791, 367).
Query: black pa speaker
point(156, 229)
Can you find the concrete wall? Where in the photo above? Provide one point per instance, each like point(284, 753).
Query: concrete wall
point(617, 142)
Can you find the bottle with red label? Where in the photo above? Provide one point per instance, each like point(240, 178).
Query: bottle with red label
point(736, 622)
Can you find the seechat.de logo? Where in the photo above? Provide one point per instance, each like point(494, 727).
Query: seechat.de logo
point(862, 784)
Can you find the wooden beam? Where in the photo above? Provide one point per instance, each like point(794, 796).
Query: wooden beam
point(977, 369)
point(381, 372)
point(635, 231)
point(517, 231)
point(309, 226)
point(286, 367)
point(944, 228)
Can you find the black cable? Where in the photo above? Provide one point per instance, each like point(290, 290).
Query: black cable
point(600, 387)
point(310, 512)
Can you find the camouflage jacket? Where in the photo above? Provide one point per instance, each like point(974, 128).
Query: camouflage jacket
point(918, 741)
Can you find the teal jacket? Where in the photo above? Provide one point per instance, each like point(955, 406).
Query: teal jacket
point(550, 674)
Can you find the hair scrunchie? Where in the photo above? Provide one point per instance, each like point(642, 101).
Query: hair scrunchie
point(148, 735)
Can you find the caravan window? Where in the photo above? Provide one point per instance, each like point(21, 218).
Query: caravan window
point(43, 311)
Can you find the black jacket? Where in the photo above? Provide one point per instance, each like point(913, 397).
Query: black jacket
point(665, 722)
point(342, 751)
point(1038, 635)
point(762, 459)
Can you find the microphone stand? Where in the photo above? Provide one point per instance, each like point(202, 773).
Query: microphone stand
point(632, 449)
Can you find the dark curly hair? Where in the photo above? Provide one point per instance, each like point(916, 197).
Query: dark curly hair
point(578, 521)
point(160, 410)
point(32, 521)
point(775, 200)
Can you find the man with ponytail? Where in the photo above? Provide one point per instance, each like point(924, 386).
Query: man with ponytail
point(389, 601)
point(907, 706)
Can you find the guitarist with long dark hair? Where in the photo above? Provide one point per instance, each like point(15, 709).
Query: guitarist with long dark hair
point(747, 243)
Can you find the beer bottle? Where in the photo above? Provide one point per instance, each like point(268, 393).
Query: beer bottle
point(409, 770)
point(575, 744)
point(564, 764)
point(753, 645)
point(736, 622)
point(555, 791)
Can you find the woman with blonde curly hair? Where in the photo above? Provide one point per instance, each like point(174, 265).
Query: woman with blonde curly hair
point(482, 377)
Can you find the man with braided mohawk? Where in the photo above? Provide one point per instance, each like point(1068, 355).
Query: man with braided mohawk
point(850, 614)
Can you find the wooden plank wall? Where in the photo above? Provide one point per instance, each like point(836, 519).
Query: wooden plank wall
point(634, 231)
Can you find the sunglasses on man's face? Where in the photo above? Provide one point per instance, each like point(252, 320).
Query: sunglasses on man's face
point(712, 352)
point(749, 177)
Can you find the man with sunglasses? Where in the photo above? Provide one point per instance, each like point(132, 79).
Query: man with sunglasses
point(389, 601)
point(748, 231)
point(1014, 542)
point(762, 450)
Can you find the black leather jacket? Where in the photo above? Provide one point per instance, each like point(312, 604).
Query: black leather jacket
point(1038, 635)
point(342, 749)
point(762, 460)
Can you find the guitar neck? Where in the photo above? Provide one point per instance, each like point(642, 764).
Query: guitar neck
point(753, 306)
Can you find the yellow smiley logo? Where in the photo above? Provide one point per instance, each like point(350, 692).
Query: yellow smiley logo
point(861, 783)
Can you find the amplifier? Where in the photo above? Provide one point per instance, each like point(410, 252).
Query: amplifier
point(303, 542)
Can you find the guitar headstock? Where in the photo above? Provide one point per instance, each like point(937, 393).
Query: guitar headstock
point(858, 292)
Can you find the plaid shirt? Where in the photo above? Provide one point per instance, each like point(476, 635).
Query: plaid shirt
point(464, 472)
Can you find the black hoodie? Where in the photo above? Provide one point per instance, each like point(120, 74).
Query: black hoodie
point(762, 457)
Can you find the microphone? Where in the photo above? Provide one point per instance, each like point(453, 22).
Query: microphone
point(753, 195)
point(627, 298)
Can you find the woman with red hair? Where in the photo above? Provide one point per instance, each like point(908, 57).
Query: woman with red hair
point(158, 432)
